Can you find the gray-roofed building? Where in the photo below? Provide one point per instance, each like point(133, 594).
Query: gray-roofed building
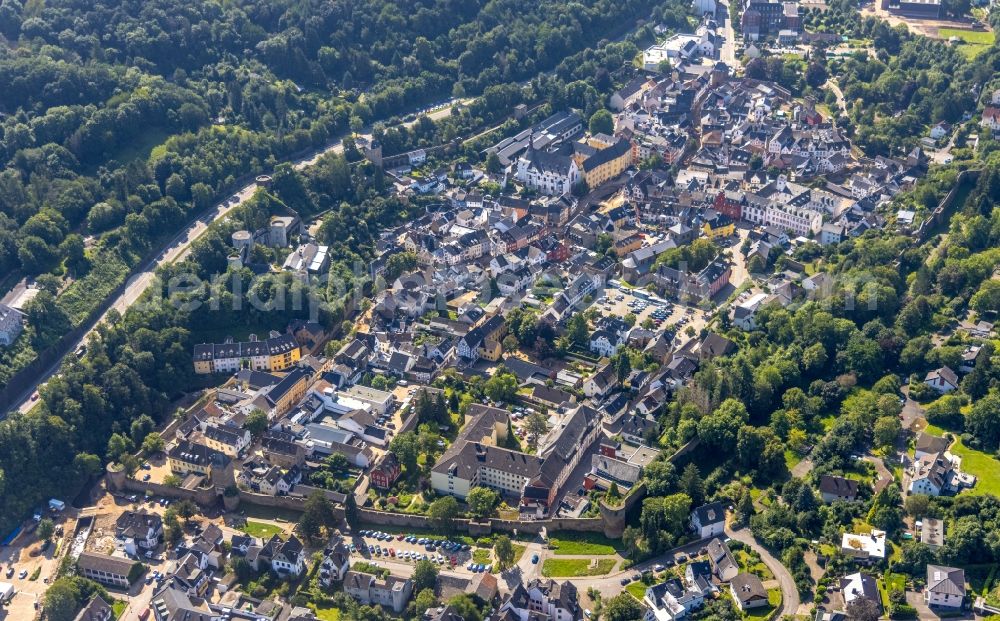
point(612, 470)
point(392, 591)
point(930, 445)
point(724, 565)
point(96, 610)
point(110, 570)
point(748, 591)
point(709, 520)
point(833, 488)
point(637, 429)
point(932, 532)
point(945, 586)
point(860, 586)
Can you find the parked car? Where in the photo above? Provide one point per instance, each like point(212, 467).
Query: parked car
point(534, 559)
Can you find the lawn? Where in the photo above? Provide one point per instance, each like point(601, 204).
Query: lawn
point(575, 567)
point(326, 614)
point(974, 42)
point(481, 556)
point(261, 530)
point(986, 467)
point(764, 612)
point(971, 50)
point(792, 458)
point(118, 607)
point(891, 582)
point(578, 545)
point(758, 568)
point(637, 590)
point(979, 37)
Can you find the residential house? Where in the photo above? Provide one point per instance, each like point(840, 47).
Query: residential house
point(187, 458)
point(935, 474)
point(972, 356)
point(560, 601)
point(945, 587)
point(96, 610)
point(745, 313)
point(943, 380)
point(991, 118)
point(605, 342)
point(277, 353)
point(139, 531)
point(605, 470)
point(336, 563)
point(867, 548)
point(859, 586)
point(638, 429)
point(227, 439)
point(833, 488)
point(190, 576)
point(748, 592)
point(483, 341)
point(386, 472)
point(286, 558)
point(724, 564)
point(930, 445)
point(672, 600)
point(393, 592)
point(11, 324)
point(601, 383)
point(709, 520)
point(630, 93)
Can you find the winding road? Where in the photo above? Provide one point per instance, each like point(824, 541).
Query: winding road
point(790, 602)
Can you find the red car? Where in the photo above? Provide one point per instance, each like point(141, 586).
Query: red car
point(399, 537)
point(392, 551)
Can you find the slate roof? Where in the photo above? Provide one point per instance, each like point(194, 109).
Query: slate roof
point(748, 588)
point(712, 513)
point(926, 443)
point(945, 580)
point(838, 486)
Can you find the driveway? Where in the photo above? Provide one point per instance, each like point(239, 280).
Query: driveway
point(926, 612)
point(912, 411)
point(803, 468)
point(884, 476)
point(789, 592)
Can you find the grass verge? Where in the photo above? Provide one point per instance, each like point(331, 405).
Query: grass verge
point(575, 567)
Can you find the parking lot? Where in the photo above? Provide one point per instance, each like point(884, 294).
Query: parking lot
point(406, 548)
point(618, 301)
